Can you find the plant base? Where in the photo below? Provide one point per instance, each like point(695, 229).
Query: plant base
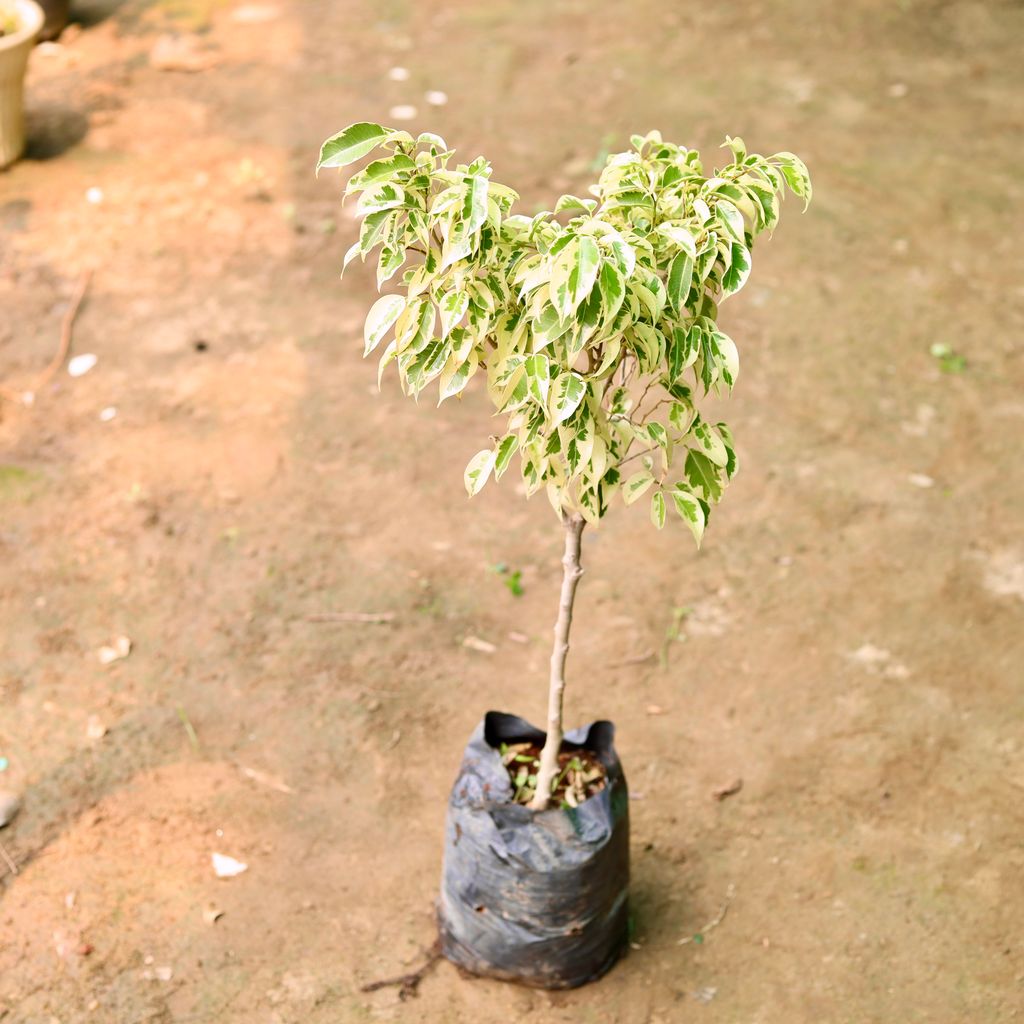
point(537, 897)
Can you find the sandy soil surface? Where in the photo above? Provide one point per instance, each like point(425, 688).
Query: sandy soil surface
point(848, 643)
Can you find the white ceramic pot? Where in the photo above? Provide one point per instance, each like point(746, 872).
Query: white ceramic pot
point(14, 51)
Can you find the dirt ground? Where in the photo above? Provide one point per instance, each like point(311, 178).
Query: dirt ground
point(849, 639)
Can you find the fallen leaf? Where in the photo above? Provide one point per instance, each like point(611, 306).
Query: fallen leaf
point(225, 866)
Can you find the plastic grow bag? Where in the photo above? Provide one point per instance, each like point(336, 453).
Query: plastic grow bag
point(535, 897)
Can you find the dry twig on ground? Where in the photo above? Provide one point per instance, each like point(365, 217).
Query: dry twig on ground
point(408, 984)
point(715, 922)
point(367, 618)
point(66, 327)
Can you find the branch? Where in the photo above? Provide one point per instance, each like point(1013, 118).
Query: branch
point(636, 455)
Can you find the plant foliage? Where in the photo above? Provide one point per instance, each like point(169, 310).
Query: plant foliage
point(595, 325)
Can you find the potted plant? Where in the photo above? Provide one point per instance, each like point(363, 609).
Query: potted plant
point(20, 22)
point(595, 330)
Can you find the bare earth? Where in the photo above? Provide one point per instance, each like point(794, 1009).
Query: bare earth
point(850, 639)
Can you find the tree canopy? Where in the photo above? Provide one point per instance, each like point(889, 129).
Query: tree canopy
point(595, 324)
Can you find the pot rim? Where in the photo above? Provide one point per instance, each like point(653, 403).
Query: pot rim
point(31, 17)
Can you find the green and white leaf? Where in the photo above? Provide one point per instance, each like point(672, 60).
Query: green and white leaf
point(452, 307)
point(478, 470)
point(658, 509)
point(503, 454)
point(637, 486)
point(690, 511)
point(381, 197)
point(573, 274)
point(703, 476)
point(350, 144)
point(567, 394)
point(739, 269)
point(381, 318)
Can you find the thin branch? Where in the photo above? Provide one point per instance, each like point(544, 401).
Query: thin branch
point(650, 384)
point(636, 455)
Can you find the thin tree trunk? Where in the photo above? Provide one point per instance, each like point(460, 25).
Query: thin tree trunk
point(571, 573)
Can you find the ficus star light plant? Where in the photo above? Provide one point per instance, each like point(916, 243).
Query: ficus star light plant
point(593, 325)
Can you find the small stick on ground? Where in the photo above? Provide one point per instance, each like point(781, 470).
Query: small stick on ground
point(715, 922)
point(636, 659)
point(368, 618)
point(408, 984)
point(66, 326)
point(731, 789)
point(8, 859)
point(190, 731)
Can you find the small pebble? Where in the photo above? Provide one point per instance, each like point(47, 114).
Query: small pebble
point(403, 112)
point(106, 415)
point(78, 366)
point(436, 98)
point(10, 804)
point(225, 866)
point(94, 195)
point(120, 647)
point(94, 728)
point(921, 480)
point(399, 74)
point(212, 914)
